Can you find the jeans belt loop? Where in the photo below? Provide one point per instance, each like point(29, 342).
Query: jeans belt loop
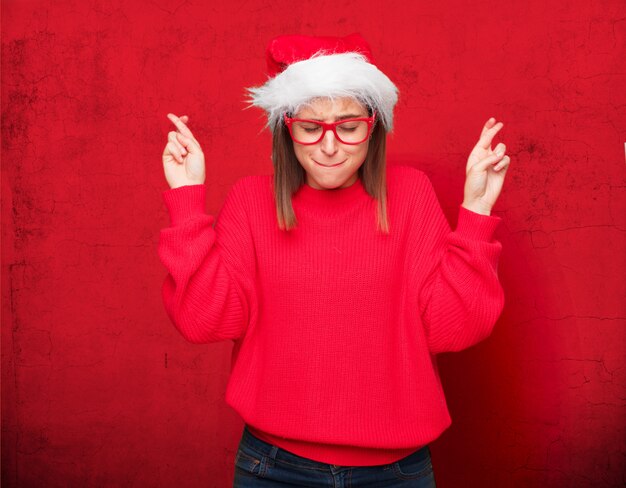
point(272, 455)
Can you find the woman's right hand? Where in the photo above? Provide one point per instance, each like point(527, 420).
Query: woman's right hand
point(183, 159)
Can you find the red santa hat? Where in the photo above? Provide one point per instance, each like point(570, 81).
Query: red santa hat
point(305, 67)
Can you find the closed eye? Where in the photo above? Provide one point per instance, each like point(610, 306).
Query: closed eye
point(308, 127)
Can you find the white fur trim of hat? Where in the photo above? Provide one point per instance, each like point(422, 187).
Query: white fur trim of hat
point(346, 74)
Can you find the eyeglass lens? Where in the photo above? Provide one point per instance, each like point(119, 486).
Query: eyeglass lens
point(350, 132)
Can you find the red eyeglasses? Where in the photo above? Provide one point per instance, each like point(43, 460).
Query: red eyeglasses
point(348, 131)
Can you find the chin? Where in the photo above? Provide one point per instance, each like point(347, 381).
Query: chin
point(331, 186)
point(333, 177)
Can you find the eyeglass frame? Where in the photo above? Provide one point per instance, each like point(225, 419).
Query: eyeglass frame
point(331, 126)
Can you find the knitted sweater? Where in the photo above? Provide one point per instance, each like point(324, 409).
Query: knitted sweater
point(335, 324)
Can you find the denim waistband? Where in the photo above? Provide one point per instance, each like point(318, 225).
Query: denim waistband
point(274, 452)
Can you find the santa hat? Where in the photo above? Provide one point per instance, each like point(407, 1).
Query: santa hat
point(304, 67)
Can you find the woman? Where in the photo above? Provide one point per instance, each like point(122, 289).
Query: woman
point(338, 277)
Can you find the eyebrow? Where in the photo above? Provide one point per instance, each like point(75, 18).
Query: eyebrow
point(343, 117)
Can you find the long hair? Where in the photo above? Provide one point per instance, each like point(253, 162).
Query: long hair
point(289, 175)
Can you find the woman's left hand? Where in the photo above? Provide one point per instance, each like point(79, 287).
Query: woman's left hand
point(485, 171)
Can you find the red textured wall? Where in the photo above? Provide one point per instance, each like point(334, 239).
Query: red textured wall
point(98, 388)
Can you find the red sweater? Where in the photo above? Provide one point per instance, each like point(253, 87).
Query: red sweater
point(335, 325)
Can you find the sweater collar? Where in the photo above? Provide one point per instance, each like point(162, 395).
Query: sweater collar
point(335, 200)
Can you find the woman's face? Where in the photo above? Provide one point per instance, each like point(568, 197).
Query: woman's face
point(329, 163)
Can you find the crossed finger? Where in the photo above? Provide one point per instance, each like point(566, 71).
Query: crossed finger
point(489, 131)
point(184, 135)
point(180, 125)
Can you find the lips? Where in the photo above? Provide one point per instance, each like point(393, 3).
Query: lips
point(329, 165)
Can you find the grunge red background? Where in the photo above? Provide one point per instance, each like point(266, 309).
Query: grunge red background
point(99, 389)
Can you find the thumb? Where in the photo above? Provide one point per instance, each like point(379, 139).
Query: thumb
point(484, 164)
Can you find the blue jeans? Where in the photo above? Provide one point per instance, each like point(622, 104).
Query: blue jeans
point(263, 465)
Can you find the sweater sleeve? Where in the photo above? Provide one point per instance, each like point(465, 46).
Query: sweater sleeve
point(208, 291)
point(461, 298)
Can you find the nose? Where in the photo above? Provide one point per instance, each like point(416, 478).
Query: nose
point(329, 143)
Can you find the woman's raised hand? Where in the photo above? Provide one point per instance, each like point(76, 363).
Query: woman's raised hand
point(485, 171)
point(183, 159)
